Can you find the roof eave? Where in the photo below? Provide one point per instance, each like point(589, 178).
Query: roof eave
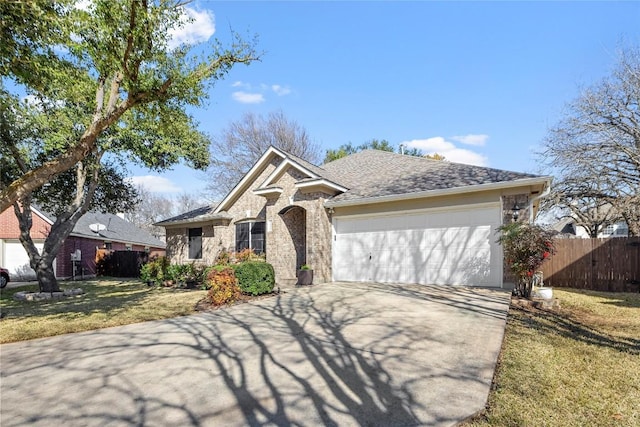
point(193, 221)
point(321, 183)
point(118, 240)
point(543, 180)
point(267, 191)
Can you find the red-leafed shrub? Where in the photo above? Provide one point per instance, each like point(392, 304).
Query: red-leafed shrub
point(526, 248)
point(223, 286)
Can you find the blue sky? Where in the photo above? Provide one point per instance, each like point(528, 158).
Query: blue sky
point(479, 82)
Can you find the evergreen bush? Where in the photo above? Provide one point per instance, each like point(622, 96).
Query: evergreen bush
point(255, 277)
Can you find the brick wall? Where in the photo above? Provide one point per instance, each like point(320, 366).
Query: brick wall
point(9, 228)
point(64, 266)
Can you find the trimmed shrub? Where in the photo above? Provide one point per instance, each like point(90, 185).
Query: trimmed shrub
point(255, 277)
point(175, 272)
point(223, 286)
point(155, 271)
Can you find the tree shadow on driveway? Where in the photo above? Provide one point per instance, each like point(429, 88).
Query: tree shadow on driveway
point(338, 355)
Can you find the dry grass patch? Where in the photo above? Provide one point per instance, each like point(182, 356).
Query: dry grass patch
point(105, 303)
point(574, 367)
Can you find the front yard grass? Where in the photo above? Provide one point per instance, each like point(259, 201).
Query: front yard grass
point(106, 302)
point(576, 366)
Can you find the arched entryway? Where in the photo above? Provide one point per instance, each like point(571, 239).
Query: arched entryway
point(294, 250)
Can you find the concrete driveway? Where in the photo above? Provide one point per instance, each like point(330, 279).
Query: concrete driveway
point(333, 354)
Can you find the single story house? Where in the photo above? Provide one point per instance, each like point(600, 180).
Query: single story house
point(94, 231)
point(373, 216)
point(568, 227)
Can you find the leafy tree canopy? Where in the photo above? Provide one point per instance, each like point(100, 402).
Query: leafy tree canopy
point(82, 91)
point(435, 156)
point(107, 81)
point(374, 144)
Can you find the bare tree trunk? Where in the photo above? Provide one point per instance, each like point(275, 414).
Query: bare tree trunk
point(47, 280)
point(42, 262)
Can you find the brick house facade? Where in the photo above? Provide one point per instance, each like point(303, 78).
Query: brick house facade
point(297, 227)
point(120, 235)
point(298, 207)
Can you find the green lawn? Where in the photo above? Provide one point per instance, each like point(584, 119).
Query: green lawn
point(579, 366)
point(106, 303)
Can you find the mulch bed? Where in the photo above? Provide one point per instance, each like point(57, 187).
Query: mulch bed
point(535, 303)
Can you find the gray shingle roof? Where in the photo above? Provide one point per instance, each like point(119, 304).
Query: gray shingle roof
point(302, 162)
point(375, 173)
point(204, 213)
point(117, 229)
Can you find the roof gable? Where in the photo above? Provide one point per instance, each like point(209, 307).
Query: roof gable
point(248, 178)
point(282, 168)
point(308, 170)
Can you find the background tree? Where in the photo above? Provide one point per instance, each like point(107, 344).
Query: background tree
point(585, 201)
point(435, 156)
point(151, 208)
point(242, 143)
point(108, 67)
point(598, 141)
point(110, 91)
point(374, 144)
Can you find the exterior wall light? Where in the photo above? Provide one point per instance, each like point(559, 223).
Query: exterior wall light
point(515, 212)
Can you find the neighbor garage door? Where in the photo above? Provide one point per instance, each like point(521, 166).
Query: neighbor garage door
point(17, 261)
point(439, 246)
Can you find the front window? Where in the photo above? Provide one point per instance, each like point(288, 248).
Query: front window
point(195, 243)
point(250, 235)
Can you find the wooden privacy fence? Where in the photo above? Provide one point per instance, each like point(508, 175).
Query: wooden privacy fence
point(611, 264)
point(120, 263)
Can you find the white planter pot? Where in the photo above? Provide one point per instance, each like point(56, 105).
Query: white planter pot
point(545, 293)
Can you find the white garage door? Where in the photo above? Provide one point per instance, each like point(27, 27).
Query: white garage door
point(17, 261)
point(452, 246)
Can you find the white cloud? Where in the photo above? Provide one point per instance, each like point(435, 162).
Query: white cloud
point(248, 98)
point(257, 93)
point(31, 101)
point(197, 27)
point(280, 90)
point(85, 5)
point(155, 184)
point(449, 150)
point(472, 139)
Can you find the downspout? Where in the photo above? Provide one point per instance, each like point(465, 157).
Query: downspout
point(544, 193)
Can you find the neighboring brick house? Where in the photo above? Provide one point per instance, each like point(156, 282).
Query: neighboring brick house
point(114, 233)
point(371, 216)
